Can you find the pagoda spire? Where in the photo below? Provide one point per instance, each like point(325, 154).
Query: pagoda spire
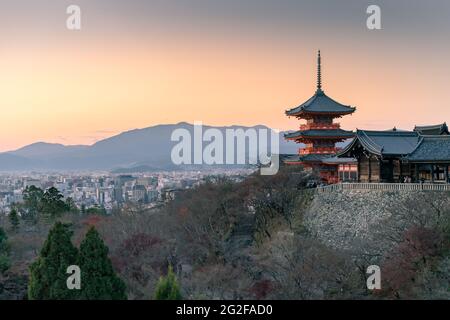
point(319, 73)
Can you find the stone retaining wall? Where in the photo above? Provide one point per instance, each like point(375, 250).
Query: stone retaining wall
point(354, 220)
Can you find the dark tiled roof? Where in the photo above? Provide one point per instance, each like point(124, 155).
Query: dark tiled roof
point(385, 143)
point(336, 160)
point(433, 129)
point(431, 148)
point(308, 158)
point(320, 133)
point(321, 103)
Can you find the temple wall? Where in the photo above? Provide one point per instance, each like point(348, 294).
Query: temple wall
point(374, 170)
point(358, 220)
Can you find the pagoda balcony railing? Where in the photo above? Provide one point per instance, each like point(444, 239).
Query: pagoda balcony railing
point(318, 150)
point(320, 126)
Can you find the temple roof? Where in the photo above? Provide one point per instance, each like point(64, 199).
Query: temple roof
point(320, 103)
point(320, 133)
point(433, 129)
point(308, 158)
point(341, 160)
point(431, 148)
point(384, 143)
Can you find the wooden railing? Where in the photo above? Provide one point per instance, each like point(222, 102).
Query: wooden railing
point(318, 150)
point(385, 187)
point(323, 126)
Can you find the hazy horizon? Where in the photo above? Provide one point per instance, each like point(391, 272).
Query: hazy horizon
point(138, 63)
point(133, 129)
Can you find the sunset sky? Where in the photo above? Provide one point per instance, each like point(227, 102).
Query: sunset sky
point(138, 63)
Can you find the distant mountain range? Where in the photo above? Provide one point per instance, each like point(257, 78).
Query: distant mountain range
point(140, 149)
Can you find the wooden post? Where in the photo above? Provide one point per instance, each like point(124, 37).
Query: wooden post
point(359, 169)
point(370, 171)
point(432, 173)
point(446, 173)
point(401, 173)
point(416, 172)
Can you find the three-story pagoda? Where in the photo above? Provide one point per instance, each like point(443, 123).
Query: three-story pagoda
point(320, 133)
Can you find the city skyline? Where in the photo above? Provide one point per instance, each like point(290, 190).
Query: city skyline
point(222, 63)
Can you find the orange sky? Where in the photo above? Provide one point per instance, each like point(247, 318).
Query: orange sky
point(77, 88)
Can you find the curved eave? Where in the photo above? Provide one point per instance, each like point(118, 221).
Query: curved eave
point(369, 144)
point(292, 113)
point(341, 134)
point(347, 148)
point(442, 126)
point(365, 142)
point(318, 137)
point(410, 157)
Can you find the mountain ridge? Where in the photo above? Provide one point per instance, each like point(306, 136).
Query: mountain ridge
point(149, 146)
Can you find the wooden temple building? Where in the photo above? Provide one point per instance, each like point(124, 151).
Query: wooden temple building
point(320, 133)
point(421, 155)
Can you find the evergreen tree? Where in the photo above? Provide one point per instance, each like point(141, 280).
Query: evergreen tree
point(14, 219)
point(53, 204)
point(4, 246)
point(167, 287)
point(71, 206)
point(98, 279)
point(48, 277)
point(32, 203)
point(4, 252)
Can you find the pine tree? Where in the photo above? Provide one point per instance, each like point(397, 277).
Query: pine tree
point(98, 279)
point(14, 219)
point(4, 252)
point(32, 203)
point(48, 277)
point(52, 202)
point(167, 287)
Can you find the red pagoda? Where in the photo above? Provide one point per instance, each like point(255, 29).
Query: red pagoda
point(320, 134)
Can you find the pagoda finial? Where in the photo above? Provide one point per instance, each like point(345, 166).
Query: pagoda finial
point(319, 73)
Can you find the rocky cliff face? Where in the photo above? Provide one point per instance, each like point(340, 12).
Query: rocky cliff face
point(369, 221)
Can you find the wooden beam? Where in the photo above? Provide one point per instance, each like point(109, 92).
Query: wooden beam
point(401, 171)
point(359, 169)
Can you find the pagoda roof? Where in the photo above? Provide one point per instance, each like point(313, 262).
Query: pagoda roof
point(384, 143)
point(320, 133)
point(432, 129)
point(320, 103)
point(431, 149)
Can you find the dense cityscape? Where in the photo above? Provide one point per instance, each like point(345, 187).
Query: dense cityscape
point(109, 191)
